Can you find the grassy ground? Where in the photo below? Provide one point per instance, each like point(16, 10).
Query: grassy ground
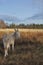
point(28, 50)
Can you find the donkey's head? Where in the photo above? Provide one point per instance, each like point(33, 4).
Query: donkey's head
point(17, 34)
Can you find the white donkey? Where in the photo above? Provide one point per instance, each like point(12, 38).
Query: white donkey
point(9, 39)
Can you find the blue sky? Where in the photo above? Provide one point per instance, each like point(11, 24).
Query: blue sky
point(21, 8)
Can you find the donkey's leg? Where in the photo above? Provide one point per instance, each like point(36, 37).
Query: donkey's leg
point(6, 52)
point(9, 48)
point(13, 46)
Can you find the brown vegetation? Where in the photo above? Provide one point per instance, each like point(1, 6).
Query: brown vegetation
point(28, 49)
point(2, 24)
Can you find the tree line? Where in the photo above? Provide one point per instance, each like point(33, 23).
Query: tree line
point(30, 26)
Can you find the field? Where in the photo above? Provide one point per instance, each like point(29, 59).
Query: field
point(28, 49)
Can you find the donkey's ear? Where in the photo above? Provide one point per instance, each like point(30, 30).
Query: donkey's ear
point(15, 29)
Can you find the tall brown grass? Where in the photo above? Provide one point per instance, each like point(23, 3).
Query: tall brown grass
point(28, 34)
point(25, 53)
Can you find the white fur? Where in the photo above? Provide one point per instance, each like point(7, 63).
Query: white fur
point(9, 39)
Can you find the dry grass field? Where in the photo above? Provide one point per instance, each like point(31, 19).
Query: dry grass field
point(28, 49)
